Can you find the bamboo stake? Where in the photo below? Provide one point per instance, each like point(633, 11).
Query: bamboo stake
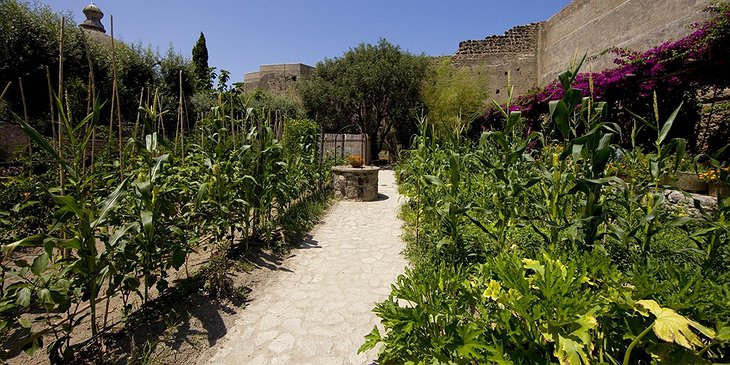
point(25, 110)
point(119, 140)
point(178, 127)
point(91, 102)
point(62, 173)
point(115, 98)
point(5, 90)
point(161, 117)
point(233, 124)
point(114, 82)
point(50, 103)
point(136, 123)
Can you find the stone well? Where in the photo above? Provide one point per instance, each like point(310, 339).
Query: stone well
point(356, 183)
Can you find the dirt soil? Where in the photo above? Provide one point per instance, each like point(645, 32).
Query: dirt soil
point(176, 327)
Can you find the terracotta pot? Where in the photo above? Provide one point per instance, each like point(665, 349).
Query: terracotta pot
point(719, 190)
point(355, 161)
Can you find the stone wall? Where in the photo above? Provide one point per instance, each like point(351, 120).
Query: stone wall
point(514, 52)
point(275, 78)
point(536, 53)
point(592, 26)
point(714, 126)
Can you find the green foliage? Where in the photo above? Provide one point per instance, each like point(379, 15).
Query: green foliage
point(201, 70)
point(299, 133)
point(454, 97)
point(118, 231)
point(29, 36)
point(531, 249)
point(374, 87)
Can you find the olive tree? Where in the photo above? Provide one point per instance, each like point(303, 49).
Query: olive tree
point(375, 88)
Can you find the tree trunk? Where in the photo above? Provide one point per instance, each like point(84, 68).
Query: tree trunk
point(374, 150)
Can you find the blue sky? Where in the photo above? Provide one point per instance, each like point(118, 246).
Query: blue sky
point(241, 35)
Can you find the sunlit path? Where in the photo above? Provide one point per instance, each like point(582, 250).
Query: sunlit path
point(317, 308)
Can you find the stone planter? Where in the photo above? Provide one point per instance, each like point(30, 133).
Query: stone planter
point(356, 183)
point(719, 190)
point(689, 181)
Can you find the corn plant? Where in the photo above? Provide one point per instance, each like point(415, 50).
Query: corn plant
point(77, 220)
point(589, 266)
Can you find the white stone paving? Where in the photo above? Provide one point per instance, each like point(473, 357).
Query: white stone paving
point(318, 310)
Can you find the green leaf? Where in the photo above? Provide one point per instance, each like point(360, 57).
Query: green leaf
point(572, 98)
point(40, 263)
point(513, 120)
point(668, 125)
point(21, 263)
point(471, 345)
point(109, 204)
point(670, 326)
point(72, 243)
point(565, 78)
point(41, 141)
point(44, 296)
point(371, 339)
point(24, 323)
point(533, 265)
point(561, 115)
point(723, 334)
point(435, 180)
point(32, 241)
point(23, 298)
point(119, 234)
point(178, 258)
point(570, 352)
point(147, 223)
point(669, 354)
point(68, 203)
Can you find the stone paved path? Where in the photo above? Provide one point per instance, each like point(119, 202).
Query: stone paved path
point(318, 309)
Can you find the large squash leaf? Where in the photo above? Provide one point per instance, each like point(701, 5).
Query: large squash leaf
point(670, 326)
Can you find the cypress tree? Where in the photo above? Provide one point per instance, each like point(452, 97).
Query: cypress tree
point(200, 64)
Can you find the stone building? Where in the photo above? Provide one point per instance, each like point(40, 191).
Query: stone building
point(277, 78)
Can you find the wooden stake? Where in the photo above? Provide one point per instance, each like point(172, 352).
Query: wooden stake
point(50, 103)
point(5, 90)
point(25, 110)
point(136, 123)
point(90, 103)
point(62, 174)
point(178, 127)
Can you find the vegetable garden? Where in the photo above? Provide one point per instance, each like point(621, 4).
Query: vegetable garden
point(527, 249)
point(118, 228)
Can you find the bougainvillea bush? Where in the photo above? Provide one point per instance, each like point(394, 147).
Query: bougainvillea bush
point(675, 70)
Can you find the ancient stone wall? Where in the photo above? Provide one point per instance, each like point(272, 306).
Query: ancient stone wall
point(536, 53)
point(514, 52)
point(275, 78)
point(592, 26)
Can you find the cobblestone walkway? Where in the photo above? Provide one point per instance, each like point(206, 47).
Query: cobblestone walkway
point(317, 308)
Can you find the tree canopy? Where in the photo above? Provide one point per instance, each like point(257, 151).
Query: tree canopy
point(29, 37)
point(375, 88)
point(454, 96)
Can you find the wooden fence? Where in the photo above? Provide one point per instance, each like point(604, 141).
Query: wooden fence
point(343, 145)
